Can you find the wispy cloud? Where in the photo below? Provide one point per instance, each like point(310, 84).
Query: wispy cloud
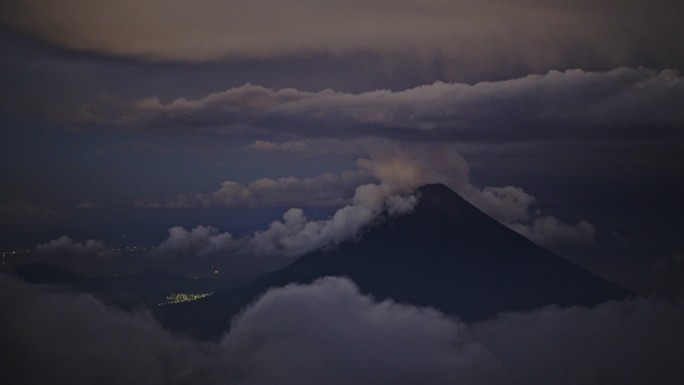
point(323, 190)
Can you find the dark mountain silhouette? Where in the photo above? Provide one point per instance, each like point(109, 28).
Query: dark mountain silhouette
point(445, 253)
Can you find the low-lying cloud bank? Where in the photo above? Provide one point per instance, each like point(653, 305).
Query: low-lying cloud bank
point(65, 338)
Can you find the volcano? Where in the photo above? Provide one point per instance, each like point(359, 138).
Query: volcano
point(444, 254)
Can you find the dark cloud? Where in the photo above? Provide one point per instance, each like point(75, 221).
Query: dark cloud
point(327, 332)
point(64, 338)
point(349, 338)
point(534, 34)
point(614, 343)
point(621, 104)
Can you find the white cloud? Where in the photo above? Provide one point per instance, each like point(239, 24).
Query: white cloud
point(296, 235)
point(66, 245)
point(508, 204)
point(201, 241)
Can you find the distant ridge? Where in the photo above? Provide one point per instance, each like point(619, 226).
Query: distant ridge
point(445, 254)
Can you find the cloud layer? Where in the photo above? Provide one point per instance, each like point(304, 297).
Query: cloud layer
point(527, 33)
point(624, 103)
point(66, 338)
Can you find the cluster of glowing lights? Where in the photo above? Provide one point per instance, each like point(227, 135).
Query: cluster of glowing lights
point(183, 297)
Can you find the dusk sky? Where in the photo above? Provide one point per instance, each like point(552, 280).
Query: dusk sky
point(170, 151)
point(195, 128)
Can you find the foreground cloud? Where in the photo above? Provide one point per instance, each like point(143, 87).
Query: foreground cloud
point(615, 343)
point(61, 338)
point(623, 103)
point(350, 338)
point(65, 338)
